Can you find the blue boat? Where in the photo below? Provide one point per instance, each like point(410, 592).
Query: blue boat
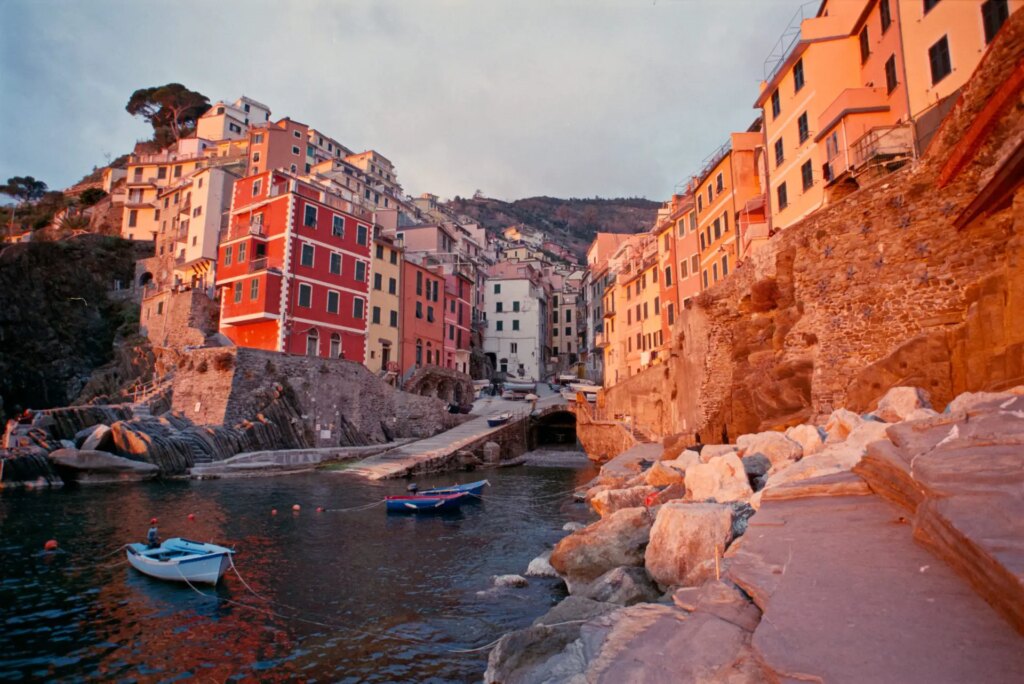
point(500, 419)
point(181, 560)
point(473, 489)
point(425, 503)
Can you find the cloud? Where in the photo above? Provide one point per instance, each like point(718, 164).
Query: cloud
point(514, 97)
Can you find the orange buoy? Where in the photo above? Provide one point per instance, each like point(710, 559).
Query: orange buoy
point(191, 516)
point(50, 545)
point(273, 511)
point(296, 508)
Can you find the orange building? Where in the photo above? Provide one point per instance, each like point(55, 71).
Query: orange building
point(422, 312)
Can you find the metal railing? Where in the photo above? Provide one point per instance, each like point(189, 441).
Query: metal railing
point(886, 142)
point(789, 38)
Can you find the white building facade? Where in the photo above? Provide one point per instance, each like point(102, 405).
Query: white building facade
point(515, 303)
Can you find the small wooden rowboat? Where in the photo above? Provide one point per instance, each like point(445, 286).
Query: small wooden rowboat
point(500, 419)
point(181, 560)
point(424, 503)
point(520, 387)
point(471, 488)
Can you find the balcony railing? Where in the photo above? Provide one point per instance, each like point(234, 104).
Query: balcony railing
point(259, 264)
point(885, 143)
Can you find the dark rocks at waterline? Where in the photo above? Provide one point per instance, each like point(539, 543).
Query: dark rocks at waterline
point(27, 467)
point(99, 467)
point(70, 421)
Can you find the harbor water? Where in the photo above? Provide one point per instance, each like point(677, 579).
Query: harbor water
point(340, 596)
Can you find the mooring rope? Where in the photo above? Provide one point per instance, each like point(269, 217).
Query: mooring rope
point(354, 508)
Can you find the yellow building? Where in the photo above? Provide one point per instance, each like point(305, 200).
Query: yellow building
point(632, 309)
point(148, 175)
point(383, 338)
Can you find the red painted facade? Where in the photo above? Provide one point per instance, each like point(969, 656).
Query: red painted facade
point(457, 311)
point(423, 317)
point(293, 269)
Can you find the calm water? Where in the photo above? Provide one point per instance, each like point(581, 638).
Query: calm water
point(395, 594)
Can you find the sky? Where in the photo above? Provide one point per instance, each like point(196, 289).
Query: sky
point(514, 98)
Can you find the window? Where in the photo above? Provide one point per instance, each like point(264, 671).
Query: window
point(725, 265)
point(257, 139)
point(295, 149)
point(783, 198)
point(802, 128)
point(361, 235)
point(238, 291)
point(338, 227)
point(703, 245)
point(394, 257)
point(305, 295)
point(554, 332)
point(684, 269)
point(309, 219)
point(177, 172)
point(313, 343)
point(378, 281)
point(798, 76)
point(994, 14)
point(776, 105)
point(929, 5)
point(568, 331)
point(227, 255)
point(497, 288)
point(335, 263)
point(778, 152)
point(725, 222)
point(499, 326)
point(718, 228)
point(241, 252)
point(515, 324)
point(714, 272)
point(711, 196)
point(451, 331)
point(254, 288)
point(886, 14)
point(938, 57)
point(361, 271)
point(629, 317)
point(419, 309)
point(392, 286)
point(333, 302)
point(670, 309)
point(515, 306)
point(376, 315)
point(807, 175)
point(865, 47)
point(335, 345)
point(668, 276)
point(719, 183)
point(419, 283)
point(700, 203)
point(380, 252)
point(499, 307)
point(306, 256)
point(657, 305)
point(694, 264)
point(133, 218)
point(357, 308)
point(890, 74)
point(568, 315)
point(645, 311)
point(393, 322)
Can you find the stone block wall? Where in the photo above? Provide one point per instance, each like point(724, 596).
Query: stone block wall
point(184, 319)
point(341, 402)
point(884, 287)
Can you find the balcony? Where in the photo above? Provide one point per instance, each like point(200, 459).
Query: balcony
point(883, 145)
point(600, 340)
point(260, 264)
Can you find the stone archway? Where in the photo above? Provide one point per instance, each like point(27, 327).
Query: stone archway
point(555, 427)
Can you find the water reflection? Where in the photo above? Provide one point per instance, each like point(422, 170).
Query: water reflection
point(354, 596)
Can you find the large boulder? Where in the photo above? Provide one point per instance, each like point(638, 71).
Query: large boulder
point(721, 480)
point(776, 446)
point(665, 473)
point(129, 441)
point(541, 566)
point(624, 586)
point(672, 492)
point(711, 451)
point(611, 500)
point(840, 424)
point(619, 539)
point(94, 438)
point(899, 402)
point(810, 438)
point(99, 467)
point(836, 458)
point(685, 540)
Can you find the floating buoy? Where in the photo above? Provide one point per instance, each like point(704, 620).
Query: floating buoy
point(191, 516)
point(273, 511)
point(152, 521)
point(319, 509)
point(50, 545)
point(296, 508)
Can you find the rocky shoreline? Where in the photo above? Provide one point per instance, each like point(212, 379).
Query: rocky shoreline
point(875, 547)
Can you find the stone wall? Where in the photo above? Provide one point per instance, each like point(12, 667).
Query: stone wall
point(179, 319)
point(341, 402)
point(889, 286)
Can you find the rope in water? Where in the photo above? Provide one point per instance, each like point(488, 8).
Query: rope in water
point(354, 508)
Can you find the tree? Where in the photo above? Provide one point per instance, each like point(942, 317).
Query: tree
point(170, 109)
point(24, 188)
point(91, 196)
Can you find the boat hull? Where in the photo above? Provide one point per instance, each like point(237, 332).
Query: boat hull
point(190, 562)
point(425, 504)
point(495, 421)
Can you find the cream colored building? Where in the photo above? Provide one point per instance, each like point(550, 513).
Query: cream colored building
point(383, 338)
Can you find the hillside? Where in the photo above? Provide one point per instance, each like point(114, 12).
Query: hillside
point(571, 222)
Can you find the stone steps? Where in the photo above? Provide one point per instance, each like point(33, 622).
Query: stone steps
point(960, 479)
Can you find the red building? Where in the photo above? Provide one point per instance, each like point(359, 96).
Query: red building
point(458, 289)
point(293, 268)
point(422, 312)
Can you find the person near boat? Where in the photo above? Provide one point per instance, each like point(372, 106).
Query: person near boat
point(153, 536)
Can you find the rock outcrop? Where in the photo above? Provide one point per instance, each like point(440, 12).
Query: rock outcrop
point(99, 467)
point(685, 541)
point(722, 479)
point(617, 540)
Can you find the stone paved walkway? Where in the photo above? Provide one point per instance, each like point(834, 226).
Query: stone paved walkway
point(399, 462)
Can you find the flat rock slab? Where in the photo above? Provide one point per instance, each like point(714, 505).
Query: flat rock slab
point(849, 596)
point(100, 467)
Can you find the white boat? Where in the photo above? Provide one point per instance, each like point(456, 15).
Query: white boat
point(571, 394)
point(181, 560)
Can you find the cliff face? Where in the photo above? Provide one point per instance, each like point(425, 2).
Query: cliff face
point(915, 280)
point(57, 320)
